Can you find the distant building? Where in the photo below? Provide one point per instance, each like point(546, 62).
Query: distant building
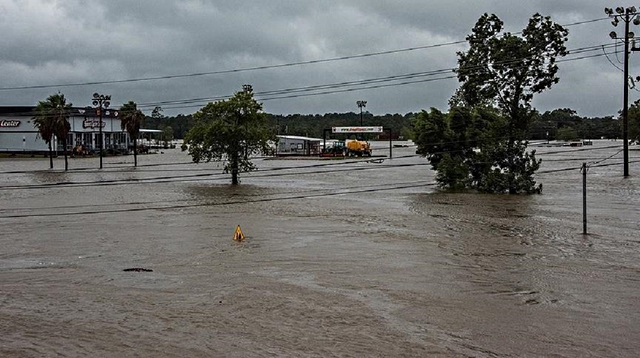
point(19, 135)
point(297, 145)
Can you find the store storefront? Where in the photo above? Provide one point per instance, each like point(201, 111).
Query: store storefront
point(19, 135)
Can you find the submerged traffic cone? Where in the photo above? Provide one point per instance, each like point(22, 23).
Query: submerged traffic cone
point(238, 235)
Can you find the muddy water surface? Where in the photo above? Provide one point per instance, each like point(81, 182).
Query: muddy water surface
point(342, 258)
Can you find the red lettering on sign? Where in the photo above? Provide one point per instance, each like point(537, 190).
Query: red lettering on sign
point(93, 123)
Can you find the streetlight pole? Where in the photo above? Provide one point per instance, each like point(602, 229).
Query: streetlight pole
point(361, 104)
point(626, 15)
point(101, 101)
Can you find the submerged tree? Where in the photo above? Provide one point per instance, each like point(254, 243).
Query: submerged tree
point(52, 120)
point(44, 122)
point(466, 148)
point(130, 120)
point(167, 135)
point(501, 72)
point(230, 130)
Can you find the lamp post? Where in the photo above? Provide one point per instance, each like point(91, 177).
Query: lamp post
point(627, 15)
point(361, 104)
point(101, 101)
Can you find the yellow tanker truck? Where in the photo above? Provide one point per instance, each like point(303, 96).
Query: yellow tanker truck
point(358, 148)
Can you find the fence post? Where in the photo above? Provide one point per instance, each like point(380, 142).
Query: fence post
point(584, 198)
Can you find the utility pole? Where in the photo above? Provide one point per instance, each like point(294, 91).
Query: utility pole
point(627, 15)
point(361, 104)
point(101, 102)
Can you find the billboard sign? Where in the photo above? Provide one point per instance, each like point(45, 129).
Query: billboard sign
point(373, 129)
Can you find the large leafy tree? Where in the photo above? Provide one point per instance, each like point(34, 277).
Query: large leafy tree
point(230, 130)
point(167, 134)
point(503, 71)
point(506, 70)
point(466, 149)
point(131, 119)
point(52, 120)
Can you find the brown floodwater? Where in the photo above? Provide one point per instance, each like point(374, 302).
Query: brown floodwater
point(342, 258)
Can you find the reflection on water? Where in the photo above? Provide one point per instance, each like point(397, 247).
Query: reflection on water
point(49, 177)
point(342, 258)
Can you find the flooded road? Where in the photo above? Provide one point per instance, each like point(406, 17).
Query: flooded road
point(343, 258)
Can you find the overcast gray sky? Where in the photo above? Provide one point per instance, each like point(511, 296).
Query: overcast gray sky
point(283, 45)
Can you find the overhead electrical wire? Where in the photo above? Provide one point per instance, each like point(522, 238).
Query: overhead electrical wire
point(333, 167)
point(245, 195)
point(334, 88)
point(276, 196)
point(306, 88)
point(257, 68)
point(303, 195)
point(207, 176)
point(308, 194)
point(245, 69)
point(350, 86)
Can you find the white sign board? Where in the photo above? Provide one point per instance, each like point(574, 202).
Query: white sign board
point(375, 129)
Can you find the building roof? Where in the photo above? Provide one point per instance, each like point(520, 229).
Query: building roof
point(295, 137)
point(17, 111)
point(30, 111)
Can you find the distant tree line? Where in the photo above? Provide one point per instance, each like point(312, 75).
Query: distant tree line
point(310, 125)
point(565, 124)
point(558, 124)
point(178, 126)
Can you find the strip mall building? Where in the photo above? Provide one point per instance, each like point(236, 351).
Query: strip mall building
point(19, 135)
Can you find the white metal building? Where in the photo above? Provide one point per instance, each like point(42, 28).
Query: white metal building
point(297, 145)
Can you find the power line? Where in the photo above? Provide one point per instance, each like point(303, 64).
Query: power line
point(309, 194)
point(238, 70)
point(337, 87)
point(351, 86)
point(605, 159)
point(306, 88)
point(258, 68)
point(333, 167)
point(306, 195)
point(245, 195)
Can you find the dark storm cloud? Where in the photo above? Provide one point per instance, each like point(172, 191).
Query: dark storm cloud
point(73, 41)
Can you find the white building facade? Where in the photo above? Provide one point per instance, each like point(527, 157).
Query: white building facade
point(297, 145)
point(18, 133)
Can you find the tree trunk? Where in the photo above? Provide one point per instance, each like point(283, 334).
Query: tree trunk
point(50, 156)
point(135, 153)
point(64, 150)
point(234, 176)
point(234, 169)
point(511, 174)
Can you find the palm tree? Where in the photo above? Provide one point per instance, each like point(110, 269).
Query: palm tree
point(130, 120)
point(52, 120)
point(62, 128)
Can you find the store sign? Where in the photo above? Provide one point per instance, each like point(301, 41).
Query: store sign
point(9, 123)
point(93, 123)
point(375, 129)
